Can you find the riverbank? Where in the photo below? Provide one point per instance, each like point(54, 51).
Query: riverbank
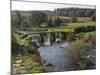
point(83, 51)
point(64, 55)
point(23, 61)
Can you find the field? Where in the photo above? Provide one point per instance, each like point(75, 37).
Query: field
point(66, 27)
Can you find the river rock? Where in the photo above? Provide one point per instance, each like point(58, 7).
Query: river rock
point(18, 61)
point(16, 65)
point(19, 55)
point(21, 68)
point(23, 71)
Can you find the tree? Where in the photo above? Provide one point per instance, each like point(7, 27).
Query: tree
point(70, 36)
point(37, 18)
point(73, 19)
point(73, 16)
point(50, 23)
point(93, 17)
point(16, 19)
point(25, 22)
point(80, 12)
point(58, 22)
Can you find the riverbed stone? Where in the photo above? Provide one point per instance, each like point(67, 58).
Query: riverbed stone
point(23, 71)
point(17, 65)
point(19, 55)
point(18, 61)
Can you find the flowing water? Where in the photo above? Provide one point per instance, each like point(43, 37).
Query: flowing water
point(53, 57)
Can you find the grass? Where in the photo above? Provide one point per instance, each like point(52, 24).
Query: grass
point(28, 61)
point(91, 33)
point(66, 27)
point(78, 50)
point(88, 38)
point(30, 65)
point(79, 19)
point(75, 25)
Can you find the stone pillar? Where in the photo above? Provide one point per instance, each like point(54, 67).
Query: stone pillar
point(41, 40)
point(64, 35)
point(53, 37)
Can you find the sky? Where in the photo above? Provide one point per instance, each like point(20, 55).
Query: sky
point(19, 5)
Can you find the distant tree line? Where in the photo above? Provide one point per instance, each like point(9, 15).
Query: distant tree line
point(38, 18)
point(79, 12)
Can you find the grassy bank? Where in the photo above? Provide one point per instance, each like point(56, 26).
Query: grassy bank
point(22, 59)
point(82, 50)
point(65, 27)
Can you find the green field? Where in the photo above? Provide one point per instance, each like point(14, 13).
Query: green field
point(65, 27)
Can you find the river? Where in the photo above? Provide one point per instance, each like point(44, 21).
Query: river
point(53, 57)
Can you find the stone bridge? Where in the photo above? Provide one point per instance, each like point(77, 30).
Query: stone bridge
point(44, 37)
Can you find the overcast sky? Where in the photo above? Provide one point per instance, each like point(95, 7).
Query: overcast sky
point(18, 5)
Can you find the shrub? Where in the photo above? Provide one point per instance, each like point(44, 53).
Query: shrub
point(31, 62)
point(73, 19)
point(58, 21)
point(70, 36)
point(89, 38)
point(84, 29)
point(93, 17)
point(77, 52)
point(80, 35)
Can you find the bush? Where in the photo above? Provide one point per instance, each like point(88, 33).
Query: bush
point(93, 17)
point(89, 38)
point(58, 22)
point(31, 62)
point(85, 29)
point(77, 52)
point(73, 19)
point(15, 43)
point(70, 36)
point(80, 35)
